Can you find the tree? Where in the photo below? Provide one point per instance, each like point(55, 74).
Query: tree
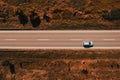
point(112, 15)
point(23, 19)
point(11, 67)
point(35, 19)
point(45, 17)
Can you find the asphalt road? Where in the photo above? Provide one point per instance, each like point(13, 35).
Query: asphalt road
point(59, 39)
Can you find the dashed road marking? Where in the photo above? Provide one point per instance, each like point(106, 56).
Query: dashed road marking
point(11, 39)
point(108, 39)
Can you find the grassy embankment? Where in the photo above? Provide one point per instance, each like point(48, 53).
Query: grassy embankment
point(62, 64)
point(67, 15)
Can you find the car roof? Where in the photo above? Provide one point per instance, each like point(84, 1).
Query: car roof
point(86, 42)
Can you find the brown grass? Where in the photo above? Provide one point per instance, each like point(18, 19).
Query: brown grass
point(88, 14)
point(62, 64)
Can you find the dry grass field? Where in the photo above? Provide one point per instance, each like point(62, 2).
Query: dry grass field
point(63, 14)
point(62, 64)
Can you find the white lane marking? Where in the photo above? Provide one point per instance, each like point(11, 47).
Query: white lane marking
point(33, 39)
point(58, 48)
point(25, 39)
point(108, 39)
point(10, 39)
point(41, 39)
point(55, 39)
point(60, 31)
